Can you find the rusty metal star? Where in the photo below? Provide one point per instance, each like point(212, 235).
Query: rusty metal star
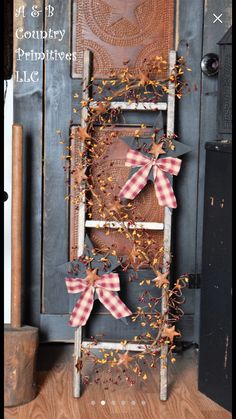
point(83, 134)
point(114, 206)
point(157, 149)
point(161, 279)
point(143, 78)
point(100, 108)
point(91, 276)
point(170, 333)
point(125, 359)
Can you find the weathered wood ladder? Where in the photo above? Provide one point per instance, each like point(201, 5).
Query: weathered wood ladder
point(82, 223)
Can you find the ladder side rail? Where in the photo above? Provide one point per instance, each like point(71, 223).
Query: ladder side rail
point(167, 233)
point(87, 66)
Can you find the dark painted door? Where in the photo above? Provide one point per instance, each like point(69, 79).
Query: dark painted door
point(215, 354)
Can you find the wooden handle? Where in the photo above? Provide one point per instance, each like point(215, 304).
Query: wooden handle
point(16, 236)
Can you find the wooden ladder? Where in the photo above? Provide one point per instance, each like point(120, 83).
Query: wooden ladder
point(82, 223)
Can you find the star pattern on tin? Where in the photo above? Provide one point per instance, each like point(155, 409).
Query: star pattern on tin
point(123, 9)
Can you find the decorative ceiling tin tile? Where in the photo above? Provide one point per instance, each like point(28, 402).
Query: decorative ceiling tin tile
point(121, 33)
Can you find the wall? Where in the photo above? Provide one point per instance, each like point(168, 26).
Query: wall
point(8, 120)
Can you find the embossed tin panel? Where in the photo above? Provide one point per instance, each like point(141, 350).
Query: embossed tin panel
point(121, 31)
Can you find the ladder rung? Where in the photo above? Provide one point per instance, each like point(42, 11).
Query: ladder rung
point(114, 345)
point(115, 224)
point(144, 106)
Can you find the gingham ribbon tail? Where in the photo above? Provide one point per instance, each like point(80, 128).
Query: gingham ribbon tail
point(105, 288)
point(163, 189)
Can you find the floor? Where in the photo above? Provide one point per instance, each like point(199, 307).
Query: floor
point(54, 400)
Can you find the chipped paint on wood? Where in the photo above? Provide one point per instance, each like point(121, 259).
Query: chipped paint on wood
point(226, 351)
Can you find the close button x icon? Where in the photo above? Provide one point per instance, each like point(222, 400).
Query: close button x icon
point(217, 18)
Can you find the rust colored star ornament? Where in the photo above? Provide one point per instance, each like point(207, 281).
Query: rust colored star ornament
point(101, 108)
point(147, 146)
point(115, 206)
point(91, 276)
point(170, 333)
point(125, 359)
point(143, 78)
point(156, 149)
point(161, 279)
point(83, 134)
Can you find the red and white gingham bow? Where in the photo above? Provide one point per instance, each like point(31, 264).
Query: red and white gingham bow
point(105, 287)
point(164, 192)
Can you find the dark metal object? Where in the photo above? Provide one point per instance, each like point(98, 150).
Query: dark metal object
point(5, 196)
point(225, 86)
point(216, 284)
point(210, 64)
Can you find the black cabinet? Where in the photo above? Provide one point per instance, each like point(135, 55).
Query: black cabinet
point(216, 284)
